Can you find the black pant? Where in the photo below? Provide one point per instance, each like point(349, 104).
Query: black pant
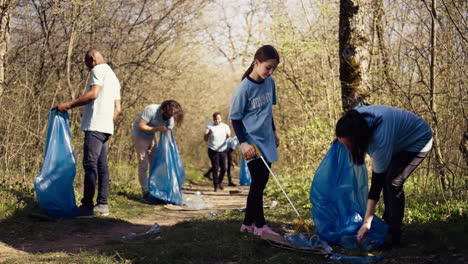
point(254, 211)
point(218, 159)
point(400, 168)
point(95, 151)
point(229, 165)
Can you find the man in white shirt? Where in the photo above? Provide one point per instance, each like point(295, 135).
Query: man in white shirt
point(101, 103)
point(216, 135)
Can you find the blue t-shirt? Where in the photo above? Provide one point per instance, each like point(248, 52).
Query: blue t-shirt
point(153, 116)
point(399, 130)
point(252, 104)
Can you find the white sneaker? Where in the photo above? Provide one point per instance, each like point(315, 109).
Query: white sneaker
point(102, 209)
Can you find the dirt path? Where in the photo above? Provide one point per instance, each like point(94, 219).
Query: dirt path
point(74, 242)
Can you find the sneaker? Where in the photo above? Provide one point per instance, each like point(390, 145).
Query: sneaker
point(84, 212)
point(220, 186)
point(207, 175)
point(258, 231)
point(231, 184)
point(247, 228)
point(102, 209)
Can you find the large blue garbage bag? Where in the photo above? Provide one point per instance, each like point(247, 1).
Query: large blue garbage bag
point(339, 197)
point(167, 173)
point(244, 174)
point(54, 184)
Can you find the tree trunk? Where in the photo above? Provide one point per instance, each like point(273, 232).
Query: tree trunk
point(5, 8)
point(354, 52)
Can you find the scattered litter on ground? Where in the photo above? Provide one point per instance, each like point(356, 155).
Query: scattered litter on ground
point(212, 214)
point(231, 192)
point(196, 202)
point(315, 245)
point(153, 230)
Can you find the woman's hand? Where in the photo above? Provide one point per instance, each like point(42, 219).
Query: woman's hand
point(161, 128)
point(362, 232)
point(248, 150)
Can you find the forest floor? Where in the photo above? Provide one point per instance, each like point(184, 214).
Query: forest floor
point(196, 236)
point(77, 235)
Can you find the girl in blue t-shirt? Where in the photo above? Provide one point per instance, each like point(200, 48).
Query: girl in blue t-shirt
point(252, 120)
point(398, 141)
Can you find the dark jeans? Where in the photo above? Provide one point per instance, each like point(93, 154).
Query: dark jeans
point(218, 159)
point(254, 211)
point(95, 150)
point(400, 168)
point(229, 165)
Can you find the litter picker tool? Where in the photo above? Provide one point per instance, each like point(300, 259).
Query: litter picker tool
point(301, 222)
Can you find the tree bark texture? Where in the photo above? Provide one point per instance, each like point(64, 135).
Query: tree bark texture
point(354, 52)
point(5, 8)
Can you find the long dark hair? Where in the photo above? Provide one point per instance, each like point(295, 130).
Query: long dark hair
point(264, 53)
point(353, 126)
point(171, 108)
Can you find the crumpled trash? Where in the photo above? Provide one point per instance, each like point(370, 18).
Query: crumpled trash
point(197, 203)
point(351, 243)
point(299, 240)
point(212, 214)
point(198, 193)
point(355, 259)
point(154, 230)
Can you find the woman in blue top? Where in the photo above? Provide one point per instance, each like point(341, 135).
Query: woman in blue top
point(398, 141)
point(155, 117)
point(252, 120)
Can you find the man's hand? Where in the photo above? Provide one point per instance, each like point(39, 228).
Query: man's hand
point(63, 107)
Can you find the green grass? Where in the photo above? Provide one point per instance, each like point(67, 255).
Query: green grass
point(431, 234)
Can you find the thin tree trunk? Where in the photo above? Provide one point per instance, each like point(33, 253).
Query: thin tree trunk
point(432, 101)
point(354, 52)
point(5, 12)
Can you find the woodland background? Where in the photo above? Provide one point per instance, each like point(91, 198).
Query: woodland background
point(409, 54)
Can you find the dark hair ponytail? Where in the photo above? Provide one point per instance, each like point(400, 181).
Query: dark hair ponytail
point(354, 127)
point(264, 53)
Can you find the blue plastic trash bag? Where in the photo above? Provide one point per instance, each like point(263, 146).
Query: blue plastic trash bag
point(244, 174)
point(167, 173)
point(232, 143)
point(339, 197)
point(54, 185)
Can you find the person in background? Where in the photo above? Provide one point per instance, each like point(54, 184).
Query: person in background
point(216, 135)
point(398, 141)
point(101, 103)
point(155, 117)
point(232, 144)
point(252, 119)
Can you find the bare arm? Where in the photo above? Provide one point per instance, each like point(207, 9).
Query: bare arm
point(366, 225)
point(207, 135)
point(90, 95)
point(143, 126)
point(117, 110)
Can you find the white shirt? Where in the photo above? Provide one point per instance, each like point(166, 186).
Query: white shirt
point(217, 139)
point(98, 114)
